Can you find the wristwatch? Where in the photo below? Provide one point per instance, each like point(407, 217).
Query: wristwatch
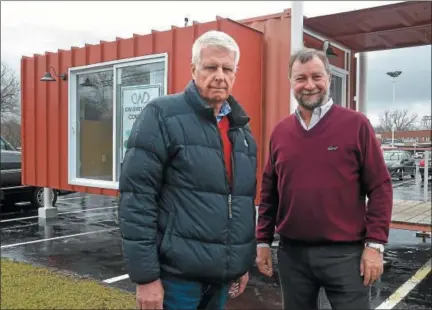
point(377, 246)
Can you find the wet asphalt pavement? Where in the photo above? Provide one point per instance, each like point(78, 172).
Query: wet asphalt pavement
point(85, 240)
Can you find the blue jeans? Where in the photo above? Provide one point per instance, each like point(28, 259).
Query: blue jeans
point(187, 295)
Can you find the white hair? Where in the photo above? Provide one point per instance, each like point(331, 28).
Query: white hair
point(217, 39)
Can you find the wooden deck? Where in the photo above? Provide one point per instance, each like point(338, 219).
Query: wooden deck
point(411, 215)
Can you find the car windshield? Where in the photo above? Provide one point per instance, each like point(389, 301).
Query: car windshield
point(392, 156)
point(6, 146)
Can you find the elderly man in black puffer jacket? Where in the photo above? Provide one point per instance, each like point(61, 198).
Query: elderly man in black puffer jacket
point(187, 189)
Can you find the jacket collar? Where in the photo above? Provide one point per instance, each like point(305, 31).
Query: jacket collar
point(237, 117)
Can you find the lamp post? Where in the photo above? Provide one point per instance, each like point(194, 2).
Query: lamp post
point(426, 177)
point(394, 75)
point(393, 131)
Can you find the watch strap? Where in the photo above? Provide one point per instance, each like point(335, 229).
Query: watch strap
point(377, 246)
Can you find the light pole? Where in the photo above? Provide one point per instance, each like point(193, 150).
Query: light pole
point(393, 131)
point(297, 13)
point(394, 75)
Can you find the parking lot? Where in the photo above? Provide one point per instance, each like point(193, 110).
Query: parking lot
point(85, 240)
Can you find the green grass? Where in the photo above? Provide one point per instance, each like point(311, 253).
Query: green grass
point(24, 286)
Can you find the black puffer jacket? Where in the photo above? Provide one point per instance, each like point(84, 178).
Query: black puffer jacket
point(178, 214)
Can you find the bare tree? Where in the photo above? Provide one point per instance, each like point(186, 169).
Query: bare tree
point(11, 131)
point(399, 118)
point(425, 122)
point(10, 90)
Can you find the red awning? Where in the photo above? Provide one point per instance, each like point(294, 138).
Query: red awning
point(404, 24)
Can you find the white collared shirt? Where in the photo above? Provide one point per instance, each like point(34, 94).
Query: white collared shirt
point(317, 114)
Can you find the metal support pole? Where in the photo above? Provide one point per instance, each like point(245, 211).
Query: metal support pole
point(48, 211)
point(48, 197)
point(426, 176)
point(361, 93)
point(296, 39)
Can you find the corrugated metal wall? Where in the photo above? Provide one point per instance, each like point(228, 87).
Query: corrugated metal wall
point(45, 105)
point(276, 95)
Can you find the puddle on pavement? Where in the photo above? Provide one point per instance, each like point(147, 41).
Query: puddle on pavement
point(411, 189)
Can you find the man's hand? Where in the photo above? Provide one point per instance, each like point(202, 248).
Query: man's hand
point(150, 296)
point(237, 288)
point(264, 261)
point(371, 266)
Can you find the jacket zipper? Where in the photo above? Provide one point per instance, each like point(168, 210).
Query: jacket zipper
point(229, 196)
point(229, 187)
point(226, 174)
point(229, 206)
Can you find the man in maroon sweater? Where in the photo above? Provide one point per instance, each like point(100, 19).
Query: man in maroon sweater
point(324, 160)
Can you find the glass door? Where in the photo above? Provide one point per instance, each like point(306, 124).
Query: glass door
point(94, 119)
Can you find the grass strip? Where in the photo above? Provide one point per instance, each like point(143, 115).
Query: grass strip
point(24, 286)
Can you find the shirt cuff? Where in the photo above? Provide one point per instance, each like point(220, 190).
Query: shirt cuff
point(373, 241)
point(263, 245)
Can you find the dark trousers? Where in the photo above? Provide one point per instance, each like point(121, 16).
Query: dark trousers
point(304, 269)
point(183, 294)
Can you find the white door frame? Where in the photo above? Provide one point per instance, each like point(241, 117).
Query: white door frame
point(343, 74)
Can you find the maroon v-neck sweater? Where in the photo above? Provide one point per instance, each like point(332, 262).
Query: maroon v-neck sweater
point(315, 182)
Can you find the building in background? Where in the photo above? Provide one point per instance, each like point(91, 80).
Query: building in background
point(76, 119)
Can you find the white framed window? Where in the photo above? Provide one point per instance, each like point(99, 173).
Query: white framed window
point(104, 101)
point(338, 86)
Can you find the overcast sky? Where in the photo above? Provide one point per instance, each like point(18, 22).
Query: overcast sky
point(38, 26)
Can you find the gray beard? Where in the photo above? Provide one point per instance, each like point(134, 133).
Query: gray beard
point(312, 105)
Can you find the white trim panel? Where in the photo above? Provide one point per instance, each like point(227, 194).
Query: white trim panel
point(348, 83)
point(117, 63)
point(343, 74)
point(114, 132)
point(94, 183)
point(338, 71)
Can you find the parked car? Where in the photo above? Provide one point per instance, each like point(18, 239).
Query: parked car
point(400, 163)
point(12, 190)
point(418, 155)
point(422, 167)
